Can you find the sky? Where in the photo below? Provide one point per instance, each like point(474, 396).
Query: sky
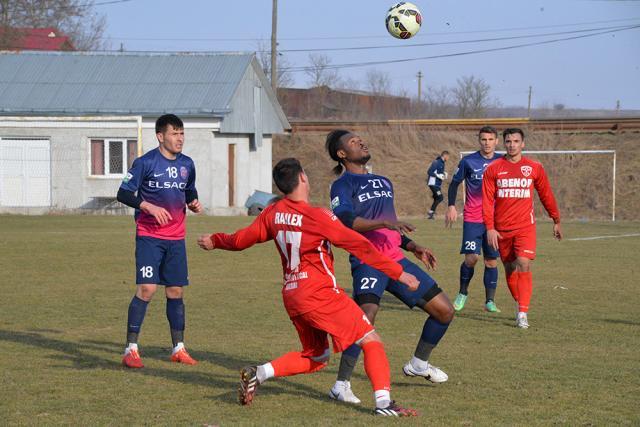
point(585, 71)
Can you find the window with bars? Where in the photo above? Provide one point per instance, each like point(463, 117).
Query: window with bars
point(112, 157)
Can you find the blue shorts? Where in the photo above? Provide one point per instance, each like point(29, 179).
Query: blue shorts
point(474, 237)
point(161, 262)
point(368, 280)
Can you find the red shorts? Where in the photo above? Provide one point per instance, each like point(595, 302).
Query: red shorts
point(342, 319)
point(518, 243)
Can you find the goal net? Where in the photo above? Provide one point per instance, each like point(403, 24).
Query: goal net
point(583, 181)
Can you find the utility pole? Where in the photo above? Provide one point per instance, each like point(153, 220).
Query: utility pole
point(419, 86)
point(529, 104)
point(617, 107)
point(274, 44)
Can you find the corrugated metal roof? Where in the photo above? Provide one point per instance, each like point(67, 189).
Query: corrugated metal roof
point(119, 83)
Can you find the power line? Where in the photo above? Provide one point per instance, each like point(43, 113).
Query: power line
point(422, 34)
point(526, 36)
point(472, 52)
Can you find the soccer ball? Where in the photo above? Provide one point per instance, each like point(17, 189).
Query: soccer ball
point(403, 20)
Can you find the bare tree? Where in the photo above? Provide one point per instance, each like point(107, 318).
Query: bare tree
point(378, 82)
point(438, 101)
point(285, 79)
point(320, 73)
point(77, 19)
point(471, 96)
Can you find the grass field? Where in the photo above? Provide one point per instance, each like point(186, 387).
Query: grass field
point(67, 282)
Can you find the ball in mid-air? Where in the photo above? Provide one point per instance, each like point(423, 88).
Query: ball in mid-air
point(403, 20)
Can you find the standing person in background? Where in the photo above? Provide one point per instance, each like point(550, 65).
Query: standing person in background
point(159, 186)
point(507, 211)
point(474, 234)
point(435, 175)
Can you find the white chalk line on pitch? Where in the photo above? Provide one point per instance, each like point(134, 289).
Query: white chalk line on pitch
point(606, 237)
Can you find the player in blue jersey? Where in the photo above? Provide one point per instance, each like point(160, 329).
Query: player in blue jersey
point(159, 186)
point(364, 202)
point(435, 175)
point(474, 235)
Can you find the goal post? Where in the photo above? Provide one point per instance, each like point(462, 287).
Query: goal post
point(613, 168)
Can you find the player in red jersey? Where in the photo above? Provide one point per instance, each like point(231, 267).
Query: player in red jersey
point(507, 211)
point(315, 303)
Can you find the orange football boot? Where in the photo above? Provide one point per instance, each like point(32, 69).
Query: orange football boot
point(132, 360)
point(181, 356)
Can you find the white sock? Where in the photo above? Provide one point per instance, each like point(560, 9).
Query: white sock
point(383, 398)
point(178, 347)
point(419, 364)
point(130, 346)
point(522, 314)
point(265, 372)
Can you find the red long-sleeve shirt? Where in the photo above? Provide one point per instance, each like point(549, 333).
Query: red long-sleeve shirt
point(302, 234)
point(507, 194)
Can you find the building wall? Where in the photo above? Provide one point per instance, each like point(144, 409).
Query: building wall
point(72, 187)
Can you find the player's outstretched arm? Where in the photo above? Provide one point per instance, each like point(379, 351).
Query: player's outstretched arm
point(361, 225)
point(242, 239)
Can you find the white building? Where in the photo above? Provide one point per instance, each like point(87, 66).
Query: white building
point(71, 124)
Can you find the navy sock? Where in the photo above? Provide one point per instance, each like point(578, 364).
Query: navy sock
point(348, 362)
point(137, 310)
point(466, 274)
point(490, 282)
point(432, 332)
point(175, 315)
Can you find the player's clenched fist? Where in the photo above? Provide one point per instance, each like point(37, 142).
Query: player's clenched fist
point(205, 242)
point(195, 206)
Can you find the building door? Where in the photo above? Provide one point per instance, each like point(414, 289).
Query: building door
point(25, 172)
point(232, 175)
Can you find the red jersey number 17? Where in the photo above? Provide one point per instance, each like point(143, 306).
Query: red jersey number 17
point(290, 239)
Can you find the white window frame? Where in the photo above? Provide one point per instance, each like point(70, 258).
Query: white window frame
point(105, 153)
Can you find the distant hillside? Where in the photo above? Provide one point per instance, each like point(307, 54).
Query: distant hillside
point(581, 183)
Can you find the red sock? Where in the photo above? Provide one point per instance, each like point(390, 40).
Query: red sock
point(376, 365)
point(294, 363)
point(512, 282)
point(525, 288)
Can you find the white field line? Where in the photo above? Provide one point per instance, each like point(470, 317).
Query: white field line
point(606, 237)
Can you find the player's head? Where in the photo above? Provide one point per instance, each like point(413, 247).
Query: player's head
point(444, 155)
point(170, 133)
point(513, 141)
point(289, 176)
point(344, 146)
point(488, 139)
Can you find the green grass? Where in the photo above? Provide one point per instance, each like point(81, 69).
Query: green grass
point(67, 282)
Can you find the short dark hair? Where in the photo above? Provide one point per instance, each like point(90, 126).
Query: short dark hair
point(333, 143)
point(511, 131)
point(444, 152)
point(168, 119)
point(488, 129)
point(286, 174)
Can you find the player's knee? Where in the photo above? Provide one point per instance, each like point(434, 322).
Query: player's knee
point(146, 292)
point(439, 197)
point(470, 260)
point(490, 262)
point(523, 264)
point(370, 337)
point(173, 291)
